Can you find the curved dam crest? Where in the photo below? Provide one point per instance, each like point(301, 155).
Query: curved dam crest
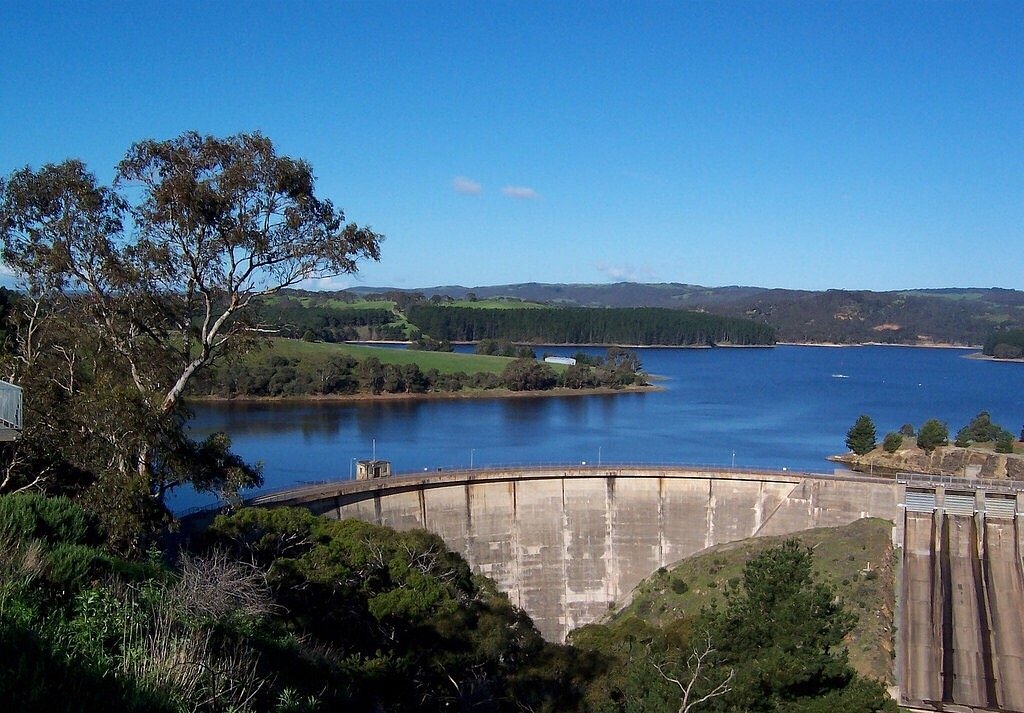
point(568, 544)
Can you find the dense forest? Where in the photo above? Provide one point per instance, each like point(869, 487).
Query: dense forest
point(338, 316)
point(953, 316)
point(647, 326)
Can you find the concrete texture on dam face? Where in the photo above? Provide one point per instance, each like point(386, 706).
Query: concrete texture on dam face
point(566, 545)
point(961, 635)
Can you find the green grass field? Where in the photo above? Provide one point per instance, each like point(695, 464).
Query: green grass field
point(311, 353)
point(332, 303)
point(495, 304)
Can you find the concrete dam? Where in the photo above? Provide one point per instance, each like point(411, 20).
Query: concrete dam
point(567, 544)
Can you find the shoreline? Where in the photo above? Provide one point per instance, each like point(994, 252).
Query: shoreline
point(925, 345)
point(427, 396)
point(600, 345)
point(576, 345)
point(985, 357)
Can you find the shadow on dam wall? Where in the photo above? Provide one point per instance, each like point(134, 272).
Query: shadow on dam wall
point(568, 544)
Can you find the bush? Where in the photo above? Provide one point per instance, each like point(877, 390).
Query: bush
point(679, 586)
point(70, 566)
point(31, 516)
point(979, 430)
point(892, 442)
point(1004, 442)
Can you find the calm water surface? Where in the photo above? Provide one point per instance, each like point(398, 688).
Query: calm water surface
point(783, 407)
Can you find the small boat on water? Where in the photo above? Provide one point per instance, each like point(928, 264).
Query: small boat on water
point(840, 376)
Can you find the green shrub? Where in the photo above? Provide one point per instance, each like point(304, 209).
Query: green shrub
point(70, 566)
point(892, 442)
point(1004, 442)
point(53, 519)
point(679, 586)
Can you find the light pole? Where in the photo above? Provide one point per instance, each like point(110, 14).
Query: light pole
point(599, 456)
point(471, 452)
point(734, 459)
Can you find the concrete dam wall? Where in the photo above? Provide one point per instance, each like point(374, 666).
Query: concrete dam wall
point(568, 544)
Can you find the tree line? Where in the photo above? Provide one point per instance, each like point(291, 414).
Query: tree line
point(862, 436)
point(578, 325)
point(279, 376)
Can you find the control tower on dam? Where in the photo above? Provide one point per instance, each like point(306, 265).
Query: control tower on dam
point(568, 543)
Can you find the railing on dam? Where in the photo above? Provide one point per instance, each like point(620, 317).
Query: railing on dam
point(535, 470)
point(526, 470)
point(949, 481)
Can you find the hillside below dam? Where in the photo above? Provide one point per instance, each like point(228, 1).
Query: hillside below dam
point(569, 543)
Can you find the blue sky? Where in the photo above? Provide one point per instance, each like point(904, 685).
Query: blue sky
point(862, 145)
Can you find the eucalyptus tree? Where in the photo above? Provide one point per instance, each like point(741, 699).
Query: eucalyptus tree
point(153, 278)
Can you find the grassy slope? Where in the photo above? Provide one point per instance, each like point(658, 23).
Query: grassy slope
point(445, 362)
point(313, 353)
point(841, 557)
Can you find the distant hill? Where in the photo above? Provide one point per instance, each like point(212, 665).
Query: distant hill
point(961, 316)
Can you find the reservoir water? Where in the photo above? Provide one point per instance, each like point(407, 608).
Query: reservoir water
point(782, 407)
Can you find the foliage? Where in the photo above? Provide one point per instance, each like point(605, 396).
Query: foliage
point(131, 290)
point(776, 628)
point(291, 368)
point(950, 316)
point(503, 347)
point(1007, 344)
point(892, 442)
point(429, 344)
point(407, 625)
point(783, 633)
point(1004, 442)
point(979, 430)
point(933, 433)
point(528, 375)
point(586, 326)
point(861, 437)
point(31, 516)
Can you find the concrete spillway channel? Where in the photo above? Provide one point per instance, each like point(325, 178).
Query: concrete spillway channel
point(962, 627)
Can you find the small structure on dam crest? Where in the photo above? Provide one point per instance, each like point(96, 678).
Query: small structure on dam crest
point(370, 469)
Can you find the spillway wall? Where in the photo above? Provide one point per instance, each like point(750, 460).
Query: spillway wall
point(962, 639)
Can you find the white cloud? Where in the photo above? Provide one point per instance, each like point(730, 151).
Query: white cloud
point(626, 272)
point(328, 284)
point(467, 186)
point(521, 192)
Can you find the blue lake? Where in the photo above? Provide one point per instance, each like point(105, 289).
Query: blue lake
point(788, 406)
